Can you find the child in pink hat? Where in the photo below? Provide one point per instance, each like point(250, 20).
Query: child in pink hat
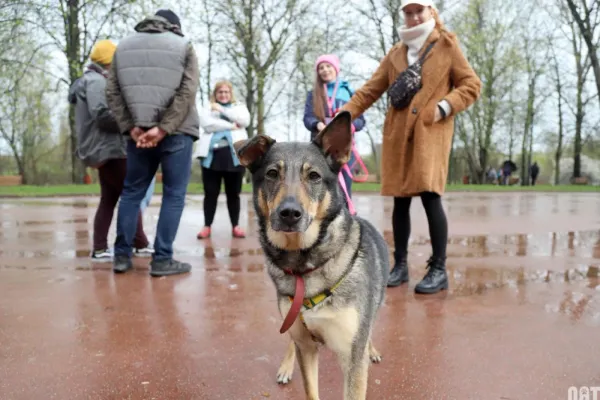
point(329, 94)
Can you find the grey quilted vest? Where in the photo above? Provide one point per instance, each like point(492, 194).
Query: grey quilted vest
point(149, 68)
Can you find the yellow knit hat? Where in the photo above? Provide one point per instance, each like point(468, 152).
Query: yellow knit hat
point(103, 52)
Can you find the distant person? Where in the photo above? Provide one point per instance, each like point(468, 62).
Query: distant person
point(330, 92)
point(223, 124)
point(491, 175)
point(152, 92)
point(534, 172)
point(507, 170)
point(101, 146)
point(417, 134)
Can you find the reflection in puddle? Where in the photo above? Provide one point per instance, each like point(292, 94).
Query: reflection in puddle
point(580, 298)
point(575, 305)
point(220, 253)
point(554, 244)
point(475, 281)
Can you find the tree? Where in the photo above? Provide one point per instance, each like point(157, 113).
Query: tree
point(587, 18)
point(261, 39)
point(25, 112)
point(204, 16)
point(535, 63)
point(559, 85)
point(73, 27)
point(582, 66)
point(485, 29)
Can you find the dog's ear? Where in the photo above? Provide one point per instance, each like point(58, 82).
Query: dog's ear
point(336, 139)
point(251, 151)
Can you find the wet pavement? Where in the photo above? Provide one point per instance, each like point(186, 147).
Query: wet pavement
point(521, 319)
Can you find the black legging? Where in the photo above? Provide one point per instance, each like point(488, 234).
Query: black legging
point(212, 187)
point(438, 225)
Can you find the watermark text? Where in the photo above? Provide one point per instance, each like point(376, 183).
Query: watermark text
point(584, 393)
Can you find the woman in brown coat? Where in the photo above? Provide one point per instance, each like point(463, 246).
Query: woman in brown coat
point(417, 139)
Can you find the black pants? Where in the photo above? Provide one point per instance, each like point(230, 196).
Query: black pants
point(212, 187)
point(438, 225)
point(533, 179)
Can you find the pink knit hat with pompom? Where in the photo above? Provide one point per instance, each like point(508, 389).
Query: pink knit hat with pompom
point(331, 59)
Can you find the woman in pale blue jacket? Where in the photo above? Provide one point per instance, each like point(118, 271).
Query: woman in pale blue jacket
point(222, 125)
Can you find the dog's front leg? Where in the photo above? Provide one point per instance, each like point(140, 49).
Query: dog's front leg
point(307, 352)
point(356, 373)
point(343, 336)
point(308, 358)
point(286, 369)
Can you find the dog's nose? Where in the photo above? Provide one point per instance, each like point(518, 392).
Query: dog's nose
point(290, 213)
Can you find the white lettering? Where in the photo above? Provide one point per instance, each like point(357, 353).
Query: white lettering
point(584, 393)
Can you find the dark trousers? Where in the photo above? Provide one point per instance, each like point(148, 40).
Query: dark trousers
point(436, 217)
point(174, 155)
point(533, 179)
point(112, 176)
point(212, 180)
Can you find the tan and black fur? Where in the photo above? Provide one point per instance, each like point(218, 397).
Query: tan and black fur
point(304, 223)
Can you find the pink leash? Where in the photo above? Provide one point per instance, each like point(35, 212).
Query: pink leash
point(330, 104)
point(353, 177)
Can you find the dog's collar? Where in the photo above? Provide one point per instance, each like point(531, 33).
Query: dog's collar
point(312, 302)
point(298, 299)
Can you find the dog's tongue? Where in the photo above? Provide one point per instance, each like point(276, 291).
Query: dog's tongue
point(296, 305)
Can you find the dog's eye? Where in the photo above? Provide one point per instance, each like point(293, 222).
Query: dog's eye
point(313, 176)
point(272, 173)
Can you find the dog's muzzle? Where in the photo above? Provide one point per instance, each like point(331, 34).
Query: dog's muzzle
point(289, 217)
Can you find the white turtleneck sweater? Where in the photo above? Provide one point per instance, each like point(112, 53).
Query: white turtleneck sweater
point(415, 38)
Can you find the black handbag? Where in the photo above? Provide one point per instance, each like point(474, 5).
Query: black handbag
point(408, 83)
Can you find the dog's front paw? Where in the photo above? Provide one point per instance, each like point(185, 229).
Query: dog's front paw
point(374, 355)
point(284, 375)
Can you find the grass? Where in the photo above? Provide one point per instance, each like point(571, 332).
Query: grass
point(196, 188)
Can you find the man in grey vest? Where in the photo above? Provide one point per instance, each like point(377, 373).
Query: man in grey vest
point(152, 92)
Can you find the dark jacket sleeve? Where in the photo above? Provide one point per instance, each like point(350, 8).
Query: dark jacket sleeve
point(359, 123)
point(72, 96)
point(96, 101)
point(310, 119)
point(185, 96)
point(116, 102)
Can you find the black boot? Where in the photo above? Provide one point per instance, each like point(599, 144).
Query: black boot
point(398, 274)
point(435, 279)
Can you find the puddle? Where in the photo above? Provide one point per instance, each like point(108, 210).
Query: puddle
point(218, 253)
point(469, 281)
point(13, 224)
point(554, 244)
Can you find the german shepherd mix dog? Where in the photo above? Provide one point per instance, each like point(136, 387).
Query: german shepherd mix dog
point(329, 268)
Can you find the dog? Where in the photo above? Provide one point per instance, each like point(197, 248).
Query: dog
point(329, 268)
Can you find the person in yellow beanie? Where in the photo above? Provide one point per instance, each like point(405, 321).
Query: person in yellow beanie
point(100, 145)
point(103, 52)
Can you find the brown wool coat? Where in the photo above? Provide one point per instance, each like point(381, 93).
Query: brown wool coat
point(416, 151)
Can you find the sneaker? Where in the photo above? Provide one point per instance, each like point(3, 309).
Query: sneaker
point(145, 252)
point(204, 233)
point(168, 267)
point(238, 232)
point(122, 264)
point(101, 255)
